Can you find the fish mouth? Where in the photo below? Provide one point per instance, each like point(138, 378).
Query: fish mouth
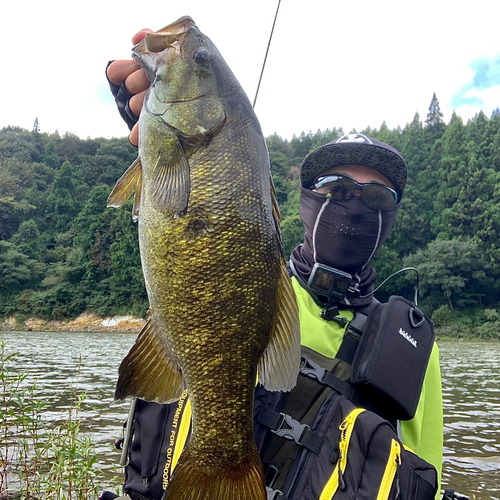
point(181, 100)
point(167, 36)
point(180, 26)
point(160, 109)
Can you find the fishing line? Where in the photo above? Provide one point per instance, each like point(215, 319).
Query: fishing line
point(267, 51)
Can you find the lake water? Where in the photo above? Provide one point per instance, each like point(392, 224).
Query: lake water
point(471, 394)
point(89, 362)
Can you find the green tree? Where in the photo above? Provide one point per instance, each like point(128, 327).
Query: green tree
point(391, 137)
point(412, 226)
point(434, 123)
point(28, 240)
point(302, 144)
point(452, 173)
point(50, 156)
point(451, 272)
point(66, 197)
point(17, 270)
point(110, 162)
point(292, 233)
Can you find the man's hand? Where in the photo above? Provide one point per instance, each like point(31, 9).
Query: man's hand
point(135, 82)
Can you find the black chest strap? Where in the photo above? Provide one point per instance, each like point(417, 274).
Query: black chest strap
point(354, 331)
point(312, 370)
point(286, 427)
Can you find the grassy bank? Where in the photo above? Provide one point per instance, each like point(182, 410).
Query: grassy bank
point(474, 324)
point(86, 322)
point(40, 458)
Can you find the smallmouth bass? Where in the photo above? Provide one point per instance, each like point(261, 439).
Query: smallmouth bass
point(222, 307)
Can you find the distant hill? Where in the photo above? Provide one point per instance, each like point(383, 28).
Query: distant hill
point(63, 252)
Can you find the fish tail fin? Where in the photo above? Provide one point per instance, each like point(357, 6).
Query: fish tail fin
point(194, 478)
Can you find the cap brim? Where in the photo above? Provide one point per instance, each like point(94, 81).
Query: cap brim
point(373, 156)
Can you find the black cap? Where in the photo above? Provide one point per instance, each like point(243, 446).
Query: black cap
point(355, 149)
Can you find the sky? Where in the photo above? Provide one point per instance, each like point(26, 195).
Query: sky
point(330, 63)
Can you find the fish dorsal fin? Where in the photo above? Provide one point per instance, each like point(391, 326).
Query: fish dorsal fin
point(274, 199)
point(276, 215)
point(279, 365)
point(148, 370)
point(124, 187)
point(171, 180)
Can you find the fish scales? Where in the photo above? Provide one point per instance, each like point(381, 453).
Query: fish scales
point(232, 281)
point(222, 307)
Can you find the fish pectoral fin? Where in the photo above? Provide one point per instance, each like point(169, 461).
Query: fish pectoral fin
point(148, 371)
point(125, 185)
point(172, 180)
point(279, 365)
point(137, 200)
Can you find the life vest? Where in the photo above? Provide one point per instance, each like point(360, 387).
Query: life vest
point(317, 444)
point(320, 440)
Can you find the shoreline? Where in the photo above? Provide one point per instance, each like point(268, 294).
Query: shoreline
point(86, 322)
point(89, 322)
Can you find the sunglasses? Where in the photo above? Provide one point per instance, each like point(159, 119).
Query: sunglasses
point(342, 188)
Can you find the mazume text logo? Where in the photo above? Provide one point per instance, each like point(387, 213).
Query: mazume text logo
point(408, 337)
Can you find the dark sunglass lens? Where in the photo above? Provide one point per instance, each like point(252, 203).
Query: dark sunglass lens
point(342, 189)
point(378, 198)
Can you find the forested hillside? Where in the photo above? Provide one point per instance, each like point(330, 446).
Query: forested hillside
point(63, 252)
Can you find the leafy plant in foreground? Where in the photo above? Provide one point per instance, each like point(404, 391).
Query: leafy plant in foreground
point(39, 460)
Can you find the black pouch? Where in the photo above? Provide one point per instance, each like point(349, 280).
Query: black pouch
point(360, 458)
point(390, 363)
point(144, 470)
point(417, 478)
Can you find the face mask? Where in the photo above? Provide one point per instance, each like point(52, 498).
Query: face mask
point(344, 235)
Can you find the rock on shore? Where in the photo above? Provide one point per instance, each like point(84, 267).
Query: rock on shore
point(86, 322)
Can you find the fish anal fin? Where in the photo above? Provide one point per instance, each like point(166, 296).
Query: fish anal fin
point(125, 185)
point(279, 365)
point(194, 478)
point(171, 180)
point(148, 370)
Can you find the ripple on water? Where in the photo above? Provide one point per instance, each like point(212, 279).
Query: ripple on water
point(471, 406)
point(89, 362)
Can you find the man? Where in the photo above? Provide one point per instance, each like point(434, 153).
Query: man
point(351, 190)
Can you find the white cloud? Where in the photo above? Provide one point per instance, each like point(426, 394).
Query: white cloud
point(330, 64)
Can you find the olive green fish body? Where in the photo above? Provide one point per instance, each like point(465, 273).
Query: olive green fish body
point(221, 304)
point(212, 276)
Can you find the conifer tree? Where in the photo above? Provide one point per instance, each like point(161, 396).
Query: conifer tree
point(36, 126)
point(434, 124)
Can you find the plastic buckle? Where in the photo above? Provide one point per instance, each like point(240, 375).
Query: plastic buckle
point(293, 432)
point(312, 370)
point(272, 473)
point(450, 494)
point(274, 494)
point(416, 317)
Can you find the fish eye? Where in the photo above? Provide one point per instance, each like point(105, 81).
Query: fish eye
point(202, 57)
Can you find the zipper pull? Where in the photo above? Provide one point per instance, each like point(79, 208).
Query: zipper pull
point(396, 448)
point(397, 459)
point(349, 420)
point(342, 484)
